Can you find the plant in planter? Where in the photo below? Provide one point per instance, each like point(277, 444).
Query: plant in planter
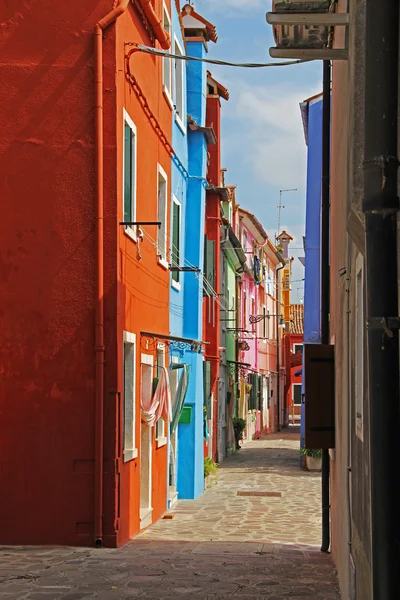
point(210, 467)
point(313, 458)
point(238, 427)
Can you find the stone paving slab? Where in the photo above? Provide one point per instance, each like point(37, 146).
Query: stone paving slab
point(215, 547)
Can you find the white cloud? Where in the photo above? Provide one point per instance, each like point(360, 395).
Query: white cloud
point(273, 144)
point(237, 5)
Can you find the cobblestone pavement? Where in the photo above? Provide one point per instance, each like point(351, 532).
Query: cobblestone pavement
point(220, 545)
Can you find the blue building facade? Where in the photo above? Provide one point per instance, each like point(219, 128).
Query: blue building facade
point(189, 170)
point(312, 121)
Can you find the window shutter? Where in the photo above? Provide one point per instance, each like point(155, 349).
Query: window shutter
point(260, 393)
point(207, 388)
point(175, 240)
point(253, 380)
point(129, 396)
point(210, 262)
point(128, 174)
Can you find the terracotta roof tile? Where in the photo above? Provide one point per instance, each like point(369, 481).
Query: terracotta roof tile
point(188, 12)
point(221, 90)
point(297, 319)
point(283, 234)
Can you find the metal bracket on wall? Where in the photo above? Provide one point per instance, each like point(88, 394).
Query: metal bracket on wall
point(185, 269)
point(140, 223)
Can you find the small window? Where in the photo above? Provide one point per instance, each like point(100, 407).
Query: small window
point(167, 62)
point(129, 171)
point(162, 215)
point(253, 312)
point(244, 239)
point(160, 425)
point(176, 241)
point(130, 450)
point(244, 310)
point(179, 86)
point(359, 348)
point(298, 348)
point(296, 394)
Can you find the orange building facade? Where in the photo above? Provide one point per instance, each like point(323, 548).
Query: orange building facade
point(85, 147)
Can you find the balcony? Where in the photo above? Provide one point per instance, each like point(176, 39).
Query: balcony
point(304, 29)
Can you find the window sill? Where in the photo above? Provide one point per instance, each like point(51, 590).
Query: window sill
point(176, 285)
point(167, 96)
point(130, 455)
point(130, 233)
point(180, 124)
point(163, 263)
point(162, 441)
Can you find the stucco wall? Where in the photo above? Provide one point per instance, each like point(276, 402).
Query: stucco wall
point(347, 241)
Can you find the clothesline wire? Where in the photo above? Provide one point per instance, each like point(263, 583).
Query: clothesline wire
point(214, 61)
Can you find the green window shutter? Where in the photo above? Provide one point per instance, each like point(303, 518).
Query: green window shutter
point(175, 239)
point(252, 396)
point(207, 388)
point(205, 293)
point(297, 393)
point(260, 392)
point(210, 251)
point(128, 173)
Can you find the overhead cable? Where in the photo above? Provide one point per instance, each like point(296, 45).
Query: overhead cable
point(214, 61)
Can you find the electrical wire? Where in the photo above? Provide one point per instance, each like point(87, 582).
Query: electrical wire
point(214, 61)
point(202, 279)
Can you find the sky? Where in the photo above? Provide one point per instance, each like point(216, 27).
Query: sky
point(263, 147)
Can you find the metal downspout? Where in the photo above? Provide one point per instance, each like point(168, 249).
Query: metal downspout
point(99, 301)
point(381, 206)
point(325, 291)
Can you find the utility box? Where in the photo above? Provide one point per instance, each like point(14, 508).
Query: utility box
point(319, 388)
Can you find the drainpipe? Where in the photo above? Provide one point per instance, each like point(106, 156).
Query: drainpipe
point(325, 291)
point(381, 206)
point(156, 24)
point(99, 302)
point(278, 362)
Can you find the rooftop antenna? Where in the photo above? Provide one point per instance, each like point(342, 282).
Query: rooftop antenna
point(280, 207)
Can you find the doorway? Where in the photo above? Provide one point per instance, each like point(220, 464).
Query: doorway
point(146, 443)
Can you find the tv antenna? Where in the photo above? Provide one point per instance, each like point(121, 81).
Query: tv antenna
point(281, 206)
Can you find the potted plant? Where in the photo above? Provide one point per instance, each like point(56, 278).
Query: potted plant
point(313, 458)
point(210, 471)
point(238, 427)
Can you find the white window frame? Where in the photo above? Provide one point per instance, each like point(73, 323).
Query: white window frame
point(359, 347)
point(167, 89)
point(297, 344)
point(131, 452)
point(293, 386)
point(128, 230)
point(161, 437)
point(176, 284)
point(179, 118)
point(162, 254)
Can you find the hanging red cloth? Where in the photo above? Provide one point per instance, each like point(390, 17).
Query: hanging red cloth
point(159, 405)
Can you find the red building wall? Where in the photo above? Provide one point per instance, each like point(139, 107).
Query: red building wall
point(291, 377)
point(211, 309)
point(47, 270)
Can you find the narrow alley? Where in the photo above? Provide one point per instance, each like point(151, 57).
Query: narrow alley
point(254, 533)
